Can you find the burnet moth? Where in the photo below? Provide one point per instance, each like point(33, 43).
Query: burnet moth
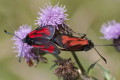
point(39, 39)
point(65, 39)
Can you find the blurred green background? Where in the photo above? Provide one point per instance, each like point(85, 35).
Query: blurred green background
point(86, 16)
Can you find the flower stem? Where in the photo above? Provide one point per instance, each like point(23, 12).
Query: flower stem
point(78, 62)
point(58, 57)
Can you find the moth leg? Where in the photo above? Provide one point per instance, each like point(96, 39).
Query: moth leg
point(71, 31)
point(39, 53)
point(83, 36)
point(43, 59)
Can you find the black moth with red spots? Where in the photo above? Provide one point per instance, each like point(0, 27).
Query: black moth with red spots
point(72, 43)
point(68, 42)
point(39, 39)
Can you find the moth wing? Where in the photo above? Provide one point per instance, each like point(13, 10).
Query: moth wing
point(70, 43)
point(46, 32)
point(44, 45)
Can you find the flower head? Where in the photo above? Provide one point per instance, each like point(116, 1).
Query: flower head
point(52, 15)
point(67, 70)
point(24, 50)
point(111, 30)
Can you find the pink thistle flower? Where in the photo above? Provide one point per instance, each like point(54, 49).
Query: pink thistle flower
point(52, 15)
point(111, 30)
point(24, 50)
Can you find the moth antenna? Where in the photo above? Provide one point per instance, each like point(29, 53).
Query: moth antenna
point(11, 34)
point(100, 55)
point(18, 38)
point(106, 45)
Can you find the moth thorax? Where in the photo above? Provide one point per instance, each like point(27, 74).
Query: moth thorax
point(27, 40)
point(89, 46)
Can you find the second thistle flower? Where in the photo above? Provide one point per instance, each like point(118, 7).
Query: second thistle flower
point(111, 30)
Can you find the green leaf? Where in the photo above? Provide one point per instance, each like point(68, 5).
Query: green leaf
point(91, 66)
point(107, 74)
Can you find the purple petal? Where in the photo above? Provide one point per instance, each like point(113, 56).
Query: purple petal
point(23, 49)
point(111, 30)
point(52, 15)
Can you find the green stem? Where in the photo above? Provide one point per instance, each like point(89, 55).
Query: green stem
point(58, 57)
point(78, 62)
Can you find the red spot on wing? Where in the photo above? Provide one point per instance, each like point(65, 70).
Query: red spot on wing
point(33, 36)
point(39, 33)
point(44, 30)
point(67, 38)
point(32, 32)
point(85, 42)
point(40, 46)
point(74, 41)
point(50, 49)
